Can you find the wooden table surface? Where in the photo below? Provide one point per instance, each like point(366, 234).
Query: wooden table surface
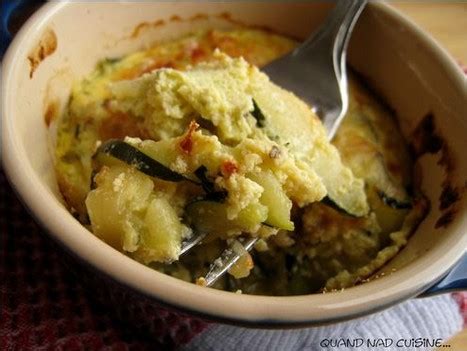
point(446, 21)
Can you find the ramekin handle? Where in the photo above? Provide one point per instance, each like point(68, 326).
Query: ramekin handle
point(455, 280)
point(16, 12)
point(7, 8)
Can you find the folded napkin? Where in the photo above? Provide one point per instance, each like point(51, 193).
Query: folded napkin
point(413, 325)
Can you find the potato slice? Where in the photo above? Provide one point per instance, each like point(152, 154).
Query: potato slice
point(117, 204)
point(126, 213)
point(275, 199)
point(162, 239)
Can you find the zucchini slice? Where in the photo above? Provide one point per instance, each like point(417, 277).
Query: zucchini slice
point(258, 115)
point(306, 139)
point(390, 212)
point(130, 155)
point(393, 202)
point(114, 152)
point(208, 186)
point(327, 201)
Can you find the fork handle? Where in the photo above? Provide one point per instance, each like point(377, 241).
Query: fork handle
point(330, 42)
point(334, 34)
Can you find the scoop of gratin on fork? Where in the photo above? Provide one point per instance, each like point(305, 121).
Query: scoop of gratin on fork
point(315, 72)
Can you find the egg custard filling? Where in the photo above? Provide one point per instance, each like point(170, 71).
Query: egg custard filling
point(190, 137)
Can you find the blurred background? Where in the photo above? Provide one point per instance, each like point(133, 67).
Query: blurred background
point(446, 21)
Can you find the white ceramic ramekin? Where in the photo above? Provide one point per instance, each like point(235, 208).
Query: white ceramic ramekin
point(64, 40)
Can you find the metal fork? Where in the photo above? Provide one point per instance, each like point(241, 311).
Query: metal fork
point(316, 72)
